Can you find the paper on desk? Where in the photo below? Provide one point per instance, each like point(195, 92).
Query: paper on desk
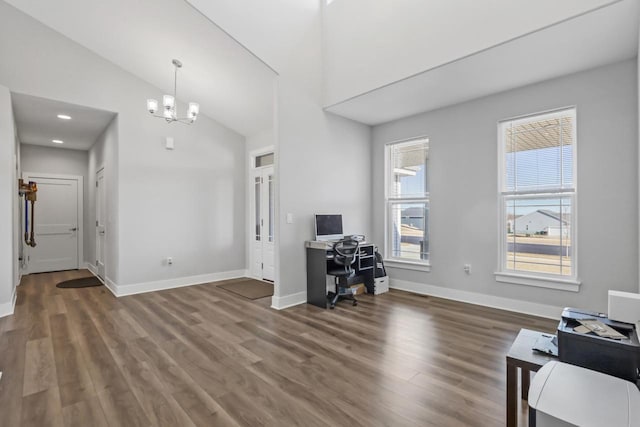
point(598, 328)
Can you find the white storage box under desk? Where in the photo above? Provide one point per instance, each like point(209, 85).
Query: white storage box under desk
point(380, 285)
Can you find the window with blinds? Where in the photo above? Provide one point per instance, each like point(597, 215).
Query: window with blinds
point(407, 200)
point(538, 193)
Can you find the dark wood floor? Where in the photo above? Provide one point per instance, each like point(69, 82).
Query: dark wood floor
point(203, 356)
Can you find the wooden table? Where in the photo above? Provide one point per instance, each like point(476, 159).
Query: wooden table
point(521, 355)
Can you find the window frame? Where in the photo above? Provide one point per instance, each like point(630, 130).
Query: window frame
point(389, 202)
point(524, 277)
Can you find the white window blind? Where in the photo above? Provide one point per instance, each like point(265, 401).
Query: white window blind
point(538, 192)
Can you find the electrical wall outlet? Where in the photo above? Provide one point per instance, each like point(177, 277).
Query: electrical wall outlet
point(467, 268)
point(169, 260)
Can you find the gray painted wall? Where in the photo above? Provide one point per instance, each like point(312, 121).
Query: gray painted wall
point(323, 163)
point(8, 189)
point(36, 158)
point(463, 174)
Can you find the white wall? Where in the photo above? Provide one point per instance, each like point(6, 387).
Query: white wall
point(8, 188)
point(463, 176)
point(370, 44)
point(262, 139)
point(182, 203)
point(36, 158)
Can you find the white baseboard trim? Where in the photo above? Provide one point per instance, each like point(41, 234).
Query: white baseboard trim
point(178, 282)
point(92, 268)
point(518, 306)
point(111, 285)
point(280, 303)
point(7, 308)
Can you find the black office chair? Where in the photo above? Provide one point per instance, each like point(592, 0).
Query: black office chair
point(344, 255)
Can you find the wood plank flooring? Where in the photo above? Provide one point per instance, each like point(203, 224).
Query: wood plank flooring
point(202, 356)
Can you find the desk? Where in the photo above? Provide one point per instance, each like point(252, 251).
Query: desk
point(320, 260)
point(521, 355)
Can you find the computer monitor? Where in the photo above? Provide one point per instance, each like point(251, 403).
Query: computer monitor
point(329, 227)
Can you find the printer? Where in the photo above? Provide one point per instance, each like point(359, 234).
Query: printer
point(563, 395)
point(617, 357)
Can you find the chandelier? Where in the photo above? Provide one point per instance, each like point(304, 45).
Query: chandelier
point(169, 112)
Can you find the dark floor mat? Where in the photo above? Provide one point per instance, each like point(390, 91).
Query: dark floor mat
point(83, 282)
point(250, 288)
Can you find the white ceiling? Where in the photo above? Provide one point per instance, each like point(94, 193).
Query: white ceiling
point(37, 122)
point(597, 38)
point(143, 36)
point(272, 29)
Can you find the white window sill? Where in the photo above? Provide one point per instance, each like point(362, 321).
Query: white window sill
point(407, 265)
point(541, 282)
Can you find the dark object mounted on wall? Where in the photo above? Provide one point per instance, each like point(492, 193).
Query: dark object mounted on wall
point(29, 191)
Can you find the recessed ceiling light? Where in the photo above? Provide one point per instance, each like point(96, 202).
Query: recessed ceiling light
point(64, 117)
point(57, 141)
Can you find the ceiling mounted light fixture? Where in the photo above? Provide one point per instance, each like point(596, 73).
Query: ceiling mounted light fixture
point(169, 112)
point(64, 117)
point(57, 141)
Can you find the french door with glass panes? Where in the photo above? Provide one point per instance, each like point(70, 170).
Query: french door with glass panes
point(263, 213)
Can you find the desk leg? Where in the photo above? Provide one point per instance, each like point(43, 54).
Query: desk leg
point(512, 395)
point(525, 379)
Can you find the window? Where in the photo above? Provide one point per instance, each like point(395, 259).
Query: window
point(264, 160)
point(538, 195)
point(407, 200)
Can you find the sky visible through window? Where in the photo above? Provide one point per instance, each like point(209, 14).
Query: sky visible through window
point(413, 184)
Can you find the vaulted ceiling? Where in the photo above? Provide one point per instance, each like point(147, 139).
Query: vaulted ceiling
point(231, 84)
point(232, 51)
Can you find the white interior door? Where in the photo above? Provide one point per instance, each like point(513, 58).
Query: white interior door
point(57, 221)
point(263, 204)
point(100, 222)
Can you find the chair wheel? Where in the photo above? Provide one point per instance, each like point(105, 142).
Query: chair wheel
point(355, 303)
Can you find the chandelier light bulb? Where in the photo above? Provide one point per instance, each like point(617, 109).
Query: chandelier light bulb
point(168, 101)
point(194, 109)
point(152, 105)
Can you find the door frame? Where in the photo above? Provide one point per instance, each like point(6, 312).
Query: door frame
point(80, 211)
point(99, 169)
point(251, 203)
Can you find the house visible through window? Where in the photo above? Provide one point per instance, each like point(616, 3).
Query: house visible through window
point(538, 194)
point(407, 199)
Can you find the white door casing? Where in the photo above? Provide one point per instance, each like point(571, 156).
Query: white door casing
point(58, 223)
point(268, 223)
point(262, 246)
point(100, 223)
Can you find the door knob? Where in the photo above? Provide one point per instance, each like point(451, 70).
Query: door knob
point(101, 233)
point(73, 229)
